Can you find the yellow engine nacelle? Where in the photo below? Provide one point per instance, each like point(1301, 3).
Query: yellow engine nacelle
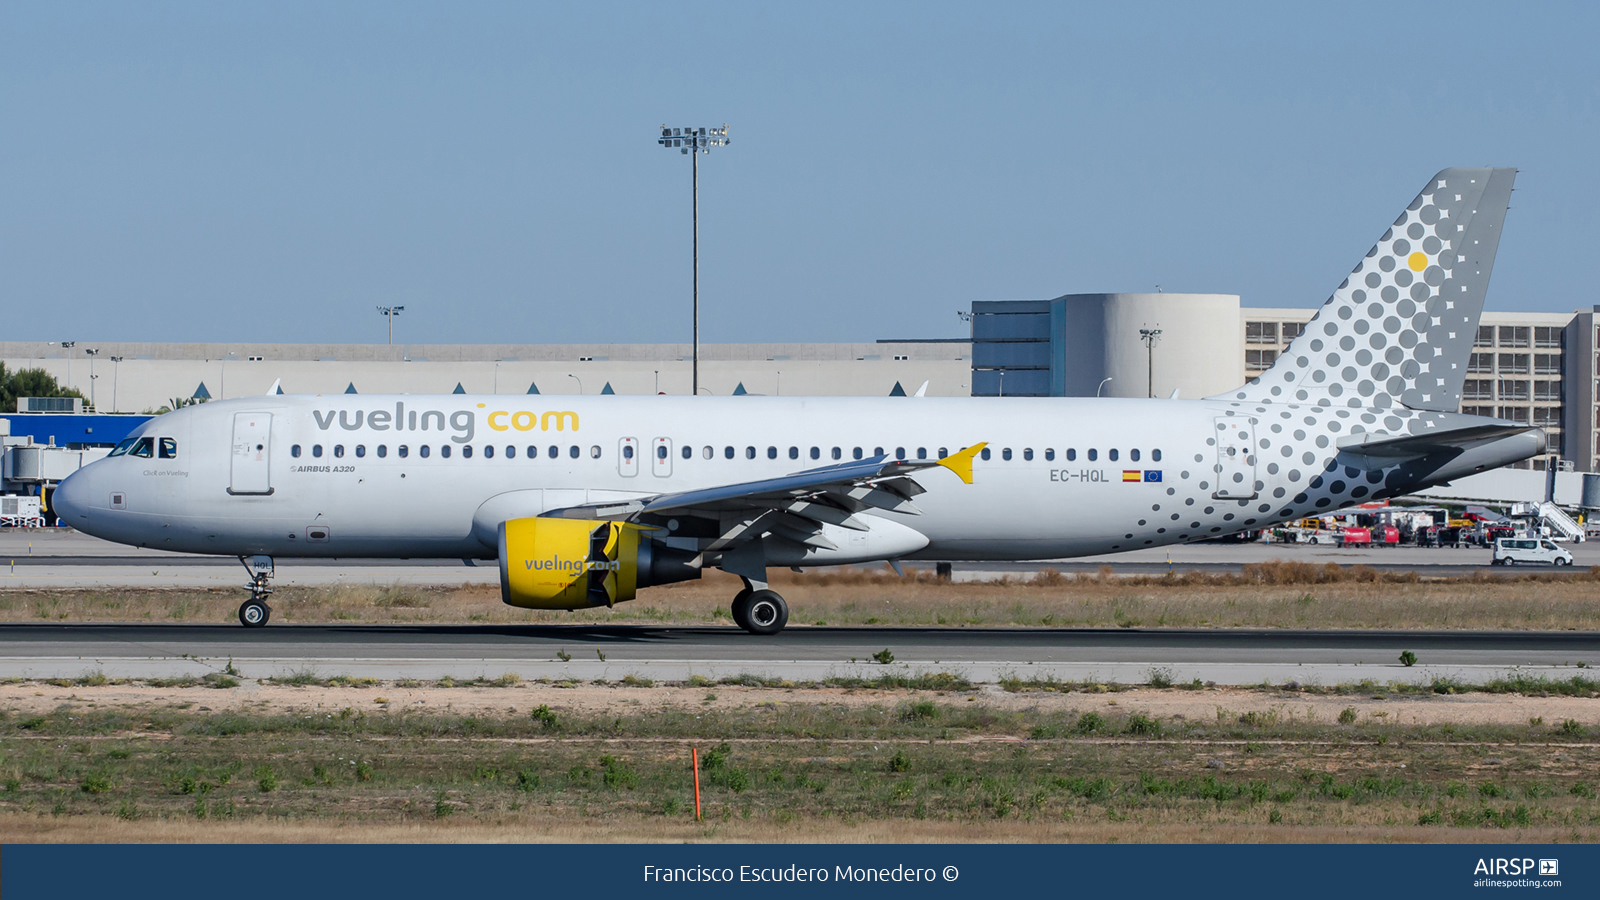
point(575, 563)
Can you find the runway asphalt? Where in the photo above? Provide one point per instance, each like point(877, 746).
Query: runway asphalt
point(799, 653)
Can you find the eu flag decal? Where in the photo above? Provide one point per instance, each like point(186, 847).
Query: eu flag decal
point(1152, 474)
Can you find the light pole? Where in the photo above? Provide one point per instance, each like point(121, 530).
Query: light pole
point(389, 312)
point(116, 369)
point(578, 380)
point(693, 142)
point(1150, 336)
point(91, 352)
point(67, 346)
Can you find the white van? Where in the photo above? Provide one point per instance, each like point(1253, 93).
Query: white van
point(1511, 551)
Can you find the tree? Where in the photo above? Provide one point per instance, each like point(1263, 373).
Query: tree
point(30, 383)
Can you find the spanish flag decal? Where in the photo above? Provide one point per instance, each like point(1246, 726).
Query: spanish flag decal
point(1132, 475)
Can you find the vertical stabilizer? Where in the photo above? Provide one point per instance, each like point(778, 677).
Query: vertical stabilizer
point(1397, 332)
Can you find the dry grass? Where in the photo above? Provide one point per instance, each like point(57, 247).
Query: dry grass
point(292, 764)
point(1266, 595)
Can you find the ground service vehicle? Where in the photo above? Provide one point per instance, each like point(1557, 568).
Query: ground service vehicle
point(1530, 550)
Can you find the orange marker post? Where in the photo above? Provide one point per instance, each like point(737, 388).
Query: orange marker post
point(694, 760)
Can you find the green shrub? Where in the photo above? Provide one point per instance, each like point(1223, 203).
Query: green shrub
point(545, 717)
point(527, 781)
point(1348, 716)
point(1139, 723)
point(267, 779)
point(1090, 722)
point(1572, 728)
point(899, 762)
point(1408, 659)
point(96, 784)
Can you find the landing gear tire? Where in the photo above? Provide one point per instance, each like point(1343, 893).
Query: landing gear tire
point(741, 609)
point(765, 612)
point(254, 613)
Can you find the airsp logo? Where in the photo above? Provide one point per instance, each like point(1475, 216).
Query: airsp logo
point(1502, 866)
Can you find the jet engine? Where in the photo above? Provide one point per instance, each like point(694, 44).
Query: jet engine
point(551, 563)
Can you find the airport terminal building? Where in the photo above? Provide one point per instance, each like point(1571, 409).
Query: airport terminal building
point(1538, 368)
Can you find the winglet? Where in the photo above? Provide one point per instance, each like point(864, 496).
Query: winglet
point(274, 389)
point(922, 391)
point(961, 463)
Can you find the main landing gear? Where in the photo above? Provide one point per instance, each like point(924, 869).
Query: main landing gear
point(759, 610)
point(255, 612)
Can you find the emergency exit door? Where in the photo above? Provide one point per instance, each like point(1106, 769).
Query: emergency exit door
point(1236, 458)
point(661, 457)
point(252, 447)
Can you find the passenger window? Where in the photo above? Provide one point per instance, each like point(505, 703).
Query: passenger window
point(922, 453)
point(316, 450)
point(1049, 453)
point(727, 453)
point(816, 452)
point(573, 451)
point(1093, 454)
point(794, 452)
point(361, 451)
point(688, 452)
point(661, 452)
point(985, 454)
point(627, 451)
point(1133, 455)
point(488, 451)
point(1006, 453)
point(123, 445)
point(423, 451)
point(466, 451)
point(877, 451)
point(856, 453)
point(293, 451)
point(1112, 454)
point(943, 453)
point(749, 453)
point(533, 452)
point(1072, 454)
point(772, 453)
point(706, 452)
point(338, 451)
point(144, 448)
point(594, 451)
point(511, 451)
point(554, 452)
point(404, 451)
point(444, 450)
point(837, 453)
point(1155, 455)
point(899, 453)
point(383, 450)
point(1027, 453)
point(168, 448)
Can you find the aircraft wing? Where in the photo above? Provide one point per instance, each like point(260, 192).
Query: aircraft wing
point(793, 506)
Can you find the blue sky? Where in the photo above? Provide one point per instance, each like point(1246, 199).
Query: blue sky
point(272, 171)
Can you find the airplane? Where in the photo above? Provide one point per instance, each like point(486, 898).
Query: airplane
point(583, 501)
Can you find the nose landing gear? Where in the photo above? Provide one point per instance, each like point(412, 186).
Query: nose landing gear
point(255, 612)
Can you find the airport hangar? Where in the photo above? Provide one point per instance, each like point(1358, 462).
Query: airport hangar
point(1536, 368)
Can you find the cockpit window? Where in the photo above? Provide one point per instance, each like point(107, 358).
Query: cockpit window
point(143, 448)
point(122, 446)
point(168, 449)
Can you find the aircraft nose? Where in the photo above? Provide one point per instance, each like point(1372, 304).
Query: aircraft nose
point(70, 499)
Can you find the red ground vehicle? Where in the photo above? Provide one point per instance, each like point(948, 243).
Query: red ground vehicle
point(1386, 535)
point(1355, 537)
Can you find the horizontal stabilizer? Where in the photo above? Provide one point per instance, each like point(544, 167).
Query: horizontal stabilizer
point(1416, 446)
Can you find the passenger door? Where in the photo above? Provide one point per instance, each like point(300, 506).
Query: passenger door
point(250, 473)
point(661, 457)
point(1236, 458)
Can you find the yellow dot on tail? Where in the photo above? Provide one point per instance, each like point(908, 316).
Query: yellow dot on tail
point(1417, 261)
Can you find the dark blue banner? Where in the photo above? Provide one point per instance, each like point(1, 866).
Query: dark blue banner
point(275, 872)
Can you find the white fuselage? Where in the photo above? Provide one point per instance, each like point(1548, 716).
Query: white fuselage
point(1065, 477)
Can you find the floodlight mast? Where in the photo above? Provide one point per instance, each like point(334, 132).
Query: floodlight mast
point(389, 312)
point(693, 142)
